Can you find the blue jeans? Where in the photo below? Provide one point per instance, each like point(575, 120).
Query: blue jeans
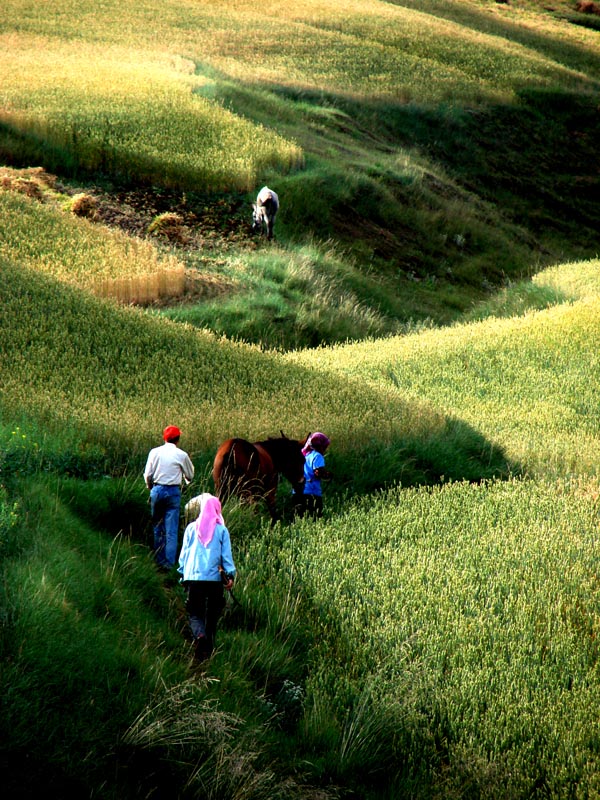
point(165, 502)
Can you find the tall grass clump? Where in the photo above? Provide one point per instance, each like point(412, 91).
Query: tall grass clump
point(289, 298)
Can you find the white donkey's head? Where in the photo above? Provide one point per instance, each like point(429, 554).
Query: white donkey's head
point(259, 217)
point(264, 211)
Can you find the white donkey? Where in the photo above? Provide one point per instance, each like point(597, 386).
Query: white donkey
point(265, 210)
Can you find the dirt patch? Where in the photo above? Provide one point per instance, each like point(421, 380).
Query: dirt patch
point(204, 221)
point(214, 222)
point(186, 223)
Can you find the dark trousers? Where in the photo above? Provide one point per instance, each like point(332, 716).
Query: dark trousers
point(204, 605)
point(308, 505)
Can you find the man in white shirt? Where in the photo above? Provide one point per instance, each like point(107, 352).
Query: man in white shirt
point(166, 467)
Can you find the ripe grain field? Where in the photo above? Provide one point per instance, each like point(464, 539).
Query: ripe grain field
point(431, 302)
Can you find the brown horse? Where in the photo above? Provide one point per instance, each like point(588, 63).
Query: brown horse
point(251, 470)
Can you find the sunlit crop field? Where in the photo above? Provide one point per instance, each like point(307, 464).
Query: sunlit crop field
point(572, 281)
point(473, 611)
point(127, 88)
point(84, 363)
point(107, 262)
point(525, 385)
point(133, 114)
point(453, 581)
point(528, 383)
point(365, 47)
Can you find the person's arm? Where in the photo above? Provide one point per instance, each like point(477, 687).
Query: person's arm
point(321, 473)
point(149, 471)
point(227, 557)
point(188, 469)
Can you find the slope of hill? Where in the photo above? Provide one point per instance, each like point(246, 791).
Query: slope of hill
point(417, 659)
point(448, 149)
point(525, 382)
point(436, 634)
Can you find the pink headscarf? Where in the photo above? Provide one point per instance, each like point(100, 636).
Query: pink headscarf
point(210, 515)
point(316, 441)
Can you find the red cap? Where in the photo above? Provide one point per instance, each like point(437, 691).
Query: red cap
point(171, 432)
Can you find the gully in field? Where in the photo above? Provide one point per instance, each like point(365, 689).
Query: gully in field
point(264, 211)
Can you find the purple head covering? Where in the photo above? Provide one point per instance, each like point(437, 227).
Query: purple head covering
point(316, 441)
point(210, 514)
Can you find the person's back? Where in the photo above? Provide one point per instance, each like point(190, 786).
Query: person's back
point(168, 465)
point(166, 468)
point(206, 566)
point(205, 562)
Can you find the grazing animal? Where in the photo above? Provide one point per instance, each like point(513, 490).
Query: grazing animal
point(264, 211)
point(251, 470)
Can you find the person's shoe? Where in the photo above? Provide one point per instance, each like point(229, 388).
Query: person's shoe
point(201, 651)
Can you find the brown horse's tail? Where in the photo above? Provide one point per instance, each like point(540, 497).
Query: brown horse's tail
point(235, 465)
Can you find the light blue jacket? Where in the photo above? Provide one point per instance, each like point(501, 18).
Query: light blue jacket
point(200, 563)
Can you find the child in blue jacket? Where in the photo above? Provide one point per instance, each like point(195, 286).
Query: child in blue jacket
point(311, 500)
point(206, 565)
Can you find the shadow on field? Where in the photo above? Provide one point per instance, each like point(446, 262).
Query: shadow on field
point(535, 161)
point(378, 437)
point(450, 451)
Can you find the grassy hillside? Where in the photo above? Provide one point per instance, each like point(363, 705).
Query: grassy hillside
point(457, 138)
point(81, 377)
point(425, 633)
point(435, 635)
point(526, 382)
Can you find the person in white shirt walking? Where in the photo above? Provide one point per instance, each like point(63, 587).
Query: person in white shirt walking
point(167, 466)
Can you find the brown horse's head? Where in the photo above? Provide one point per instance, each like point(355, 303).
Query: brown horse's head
point(287, 457)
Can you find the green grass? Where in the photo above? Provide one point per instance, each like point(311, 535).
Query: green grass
point(419, 126)
point(435, 635)
point(83, 639)
point(465, 616)
point(474, 610)
point(521, 382)
point(291, 297)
